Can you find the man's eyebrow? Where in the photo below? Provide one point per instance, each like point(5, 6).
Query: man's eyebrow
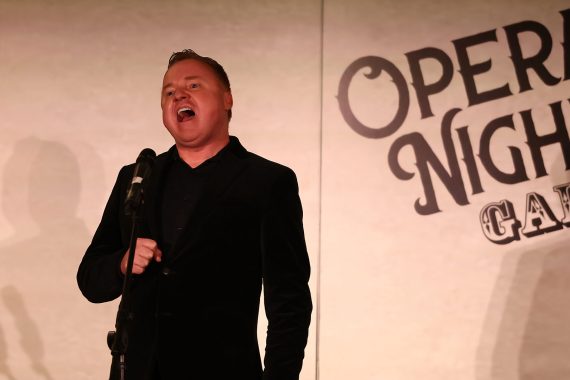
point(190, 77)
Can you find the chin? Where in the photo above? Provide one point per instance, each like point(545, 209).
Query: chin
point(190, 141)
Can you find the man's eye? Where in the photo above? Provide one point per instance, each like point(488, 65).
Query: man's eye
point(194, 85)
point(169, 93)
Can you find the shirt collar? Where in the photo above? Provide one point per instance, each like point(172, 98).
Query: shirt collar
point(232, 145)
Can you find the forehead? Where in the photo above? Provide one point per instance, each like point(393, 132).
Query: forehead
point(188, 68)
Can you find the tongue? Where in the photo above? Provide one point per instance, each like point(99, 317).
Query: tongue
point(185, 116)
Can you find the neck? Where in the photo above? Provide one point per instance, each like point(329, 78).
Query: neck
point(195, 156)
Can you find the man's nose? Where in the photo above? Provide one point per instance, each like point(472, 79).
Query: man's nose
point(180, 95)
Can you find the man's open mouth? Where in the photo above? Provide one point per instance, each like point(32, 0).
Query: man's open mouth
point(185, 114)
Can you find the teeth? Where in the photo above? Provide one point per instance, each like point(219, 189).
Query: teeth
point(184, 110)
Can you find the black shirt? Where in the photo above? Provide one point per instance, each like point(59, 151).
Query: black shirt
point(183, 188)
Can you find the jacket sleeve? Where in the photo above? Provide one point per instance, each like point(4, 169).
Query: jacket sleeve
point(99, 276)
point(286, 271)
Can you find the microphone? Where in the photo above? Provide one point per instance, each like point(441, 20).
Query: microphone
point(143, 168)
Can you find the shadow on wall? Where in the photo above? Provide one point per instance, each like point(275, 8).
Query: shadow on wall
point(526, 335)
point(4, 368)
point(38, 322)
point(30, 339)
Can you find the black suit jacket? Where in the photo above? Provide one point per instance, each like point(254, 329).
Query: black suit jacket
point(195, 314)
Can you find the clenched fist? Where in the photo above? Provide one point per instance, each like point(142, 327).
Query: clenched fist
point(146, 250)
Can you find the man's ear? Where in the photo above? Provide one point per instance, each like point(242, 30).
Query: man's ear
point(228, 100)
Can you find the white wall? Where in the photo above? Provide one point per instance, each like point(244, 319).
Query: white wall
point(400, 295)
point(80, 97)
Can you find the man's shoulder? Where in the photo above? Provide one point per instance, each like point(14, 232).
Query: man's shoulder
point(267, 176)
point(258, 163)
point(268, 169)
point(266, 163)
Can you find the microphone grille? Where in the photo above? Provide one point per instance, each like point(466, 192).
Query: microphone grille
point(146, 154)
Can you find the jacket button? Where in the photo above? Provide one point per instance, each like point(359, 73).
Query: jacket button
point(166, 271)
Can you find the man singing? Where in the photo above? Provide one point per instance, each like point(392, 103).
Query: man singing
point(217, 222)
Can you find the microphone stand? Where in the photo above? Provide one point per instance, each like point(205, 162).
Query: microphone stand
point(118, 340)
